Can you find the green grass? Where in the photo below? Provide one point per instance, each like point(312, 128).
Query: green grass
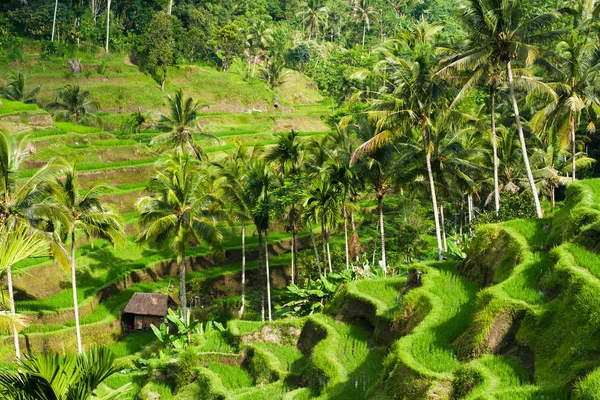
point(15, 107)
point(232, 377)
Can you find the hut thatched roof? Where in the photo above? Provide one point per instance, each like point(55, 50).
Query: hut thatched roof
point(154, 304)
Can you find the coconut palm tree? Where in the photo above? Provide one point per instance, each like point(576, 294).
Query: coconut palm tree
point(80, 210)
point(274, 73)
point(182, 125)
point(322, 205)
point(410, 100)
point(374, 167)
point(575, 68)
point(259, 181)
point(259, 38)
point(54, 20)
point(67, 377)
point(15, 90)
point(17, 243)
point(180, 212)
point(313, 15)
point(501, 33)
point(73, 104)
point(364, 13)
point(232, 171)
point(21, 204)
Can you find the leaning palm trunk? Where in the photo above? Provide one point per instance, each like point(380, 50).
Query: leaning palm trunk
point(443, 228)
point(75, 302)
point(470, 207)
point(268, 275)
point(170, 6)
point(107, 26)
point(182, 290)
point(436, 216)
point(54, 20)
point(536, 200)
point(329, 256)
point(314, 242)
point(11, 301)
point(241, 312)
point(346, 238)
point(382, 232)
point(495, 148)
point(573, 143)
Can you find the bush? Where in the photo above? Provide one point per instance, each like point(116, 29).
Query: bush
point(512, 206)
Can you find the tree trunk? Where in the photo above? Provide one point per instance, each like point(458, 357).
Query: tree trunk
point(11, 303)
point(75, 302)
point(260, 266)
point(436, 217)
point(94, 12)
point(364, 34)
point(329, 257)
point(355, 243)
point(443, 228)
point(268, 275)
point(470, 206)
point(573, 143)
point(462, 203)
point(536, 200)
point(382, 233)
point(314, 242)
point(293, 248)
point(170, 6)
point(182, 290)
point(346, 238)
point(241, 312)
point(162, 85)
point(107, 24)
point(54, 19)
point(495, 148)
point(552, 197)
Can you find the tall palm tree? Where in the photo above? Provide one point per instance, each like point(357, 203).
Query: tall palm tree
point(502, 34)
point(20, 204)
point(575, 69)
point(411, 98)
point(179, 213)
point(17, 243)
point(232, 170)
point(313, 15)
point(322, 205)
point(259, 181)
point(374, 167)
point(67, 377)
point(364, 13)
point(79, 209)
point(108, 24)
point(182, 125)
point(54, 20)
point(259, 38)
point(15, 90)
point(287, 156)
point(73, 104)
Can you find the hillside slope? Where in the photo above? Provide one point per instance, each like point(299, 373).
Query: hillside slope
point(516, 320)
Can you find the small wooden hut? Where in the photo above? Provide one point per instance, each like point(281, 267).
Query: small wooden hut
point(145, 309)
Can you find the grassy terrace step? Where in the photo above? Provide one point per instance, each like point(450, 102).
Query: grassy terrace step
point(423, 361)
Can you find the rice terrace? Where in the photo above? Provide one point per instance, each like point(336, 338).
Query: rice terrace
point(288, 199)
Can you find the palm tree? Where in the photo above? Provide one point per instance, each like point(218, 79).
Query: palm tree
point(322, 205)
point(182, 125)
point(259, 39)
point(501, 34)
point(68, 377)
point(364, 13)
point(108, 24)
point(80, 210)
point(17, 243)
point(575, 67)
point(410, 99)
point(179, 212)
point(21, 205)
point(258, 184)
point(274, 73)
point(313, 16)
point(374, 167)
point(15, 90)
point(73, 104)
point(232, 170)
